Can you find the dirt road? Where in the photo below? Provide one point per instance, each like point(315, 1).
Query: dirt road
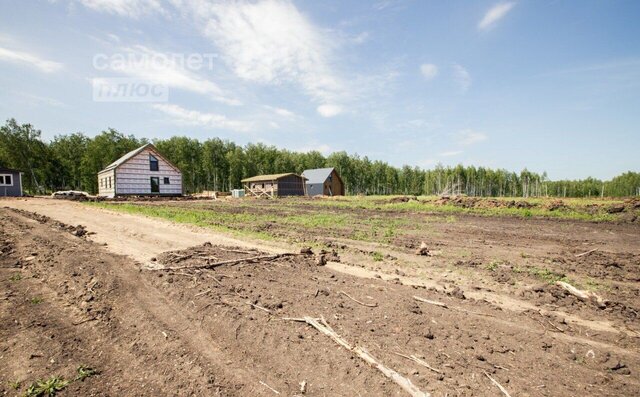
point(69, 301)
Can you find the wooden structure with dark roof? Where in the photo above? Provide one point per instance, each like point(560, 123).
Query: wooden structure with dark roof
point(275, 185)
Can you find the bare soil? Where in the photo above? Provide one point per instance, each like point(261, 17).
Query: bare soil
point(68, 300)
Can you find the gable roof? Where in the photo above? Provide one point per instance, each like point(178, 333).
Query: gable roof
point(318, 175)
point(271, 177)
point(134, 153)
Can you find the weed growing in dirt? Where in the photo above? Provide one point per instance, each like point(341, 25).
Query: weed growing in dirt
point(493, 265)
point(36, 300)
point(47, 387)
point(84, 372)
point(15, 385)
point(377, 257)
point(15, 277)
point(547, 275)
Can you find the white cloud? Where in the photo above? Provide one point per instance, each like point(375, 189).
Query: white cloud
point(451, 153)
point(469, 137)
point(184, 116)
point(281, 111)
point(361, 38)
point(126, 8)
point(494, 14)
point(428, 70)
point(150, 65)
point(271, 42)
point(461, 76)
point(28, 59)
point(328, 110)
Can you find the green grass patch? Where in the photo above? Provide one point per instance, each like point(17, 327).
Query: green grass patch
point(46, 387)
point(547, 275)
point(15, 277)
point(377, 257)
point(36, 300)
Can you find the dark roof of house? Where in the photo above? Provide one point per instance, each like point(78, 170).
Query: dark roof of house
point(4, 169)
point(270, 177)
point(318, 175)
point(132, 154)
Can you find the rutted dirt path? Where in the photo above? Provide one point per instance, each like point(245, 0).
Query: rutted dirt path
point(192, 332)
point(144, 238)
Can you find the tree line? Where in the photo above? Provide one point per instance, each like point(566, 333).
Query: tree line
point(72, 161)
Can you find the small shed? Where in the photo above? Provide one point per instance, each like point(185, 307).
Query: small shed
point(10, 182)
point(276, 185)
point(143, 171)
point(324, 182)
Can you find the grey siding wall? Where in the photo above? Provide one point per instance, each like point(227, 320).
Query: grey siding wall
point(315, 189)
point(14, 189)
point(107, 183)
point(134, 176)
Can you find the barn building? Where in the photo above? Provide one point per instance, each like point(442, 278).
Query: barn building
point(10, 182)
point(324, 182)
point(140, 172)
point(276, 185)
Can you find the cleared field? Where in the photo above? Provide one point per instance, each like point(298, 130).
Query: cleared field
point(220, 330)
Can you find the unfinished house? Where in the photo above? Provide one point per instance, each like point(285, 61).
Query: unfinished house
point(141, 172)
point(10, 182)
point(323, 182)
point(277, 185)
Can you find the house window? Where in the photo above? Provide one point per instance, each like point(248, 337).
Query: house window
point(153, 163)
point(166, 180)
point(5, 180)
point(109, 182)
point(155, 184)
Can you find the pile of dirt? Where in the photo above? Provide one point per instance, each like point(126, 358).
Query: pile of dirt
point(480, 202)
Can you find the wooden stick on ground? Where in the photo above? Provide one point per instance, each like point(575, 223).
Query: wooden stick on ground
point(586, 253)
point(322, 326)
point(502, 389)
point(229, 262)
point(418, 361)
point(582, 295)
point(430, 302)
point(357, 301)
point(269, 387)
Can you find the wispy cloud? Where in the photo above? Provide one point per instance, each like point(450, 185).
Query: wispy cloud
point(125, 8)
point(151, 65)
point(461, 77)
point(182, 116)
point(469, 137)
point(286, 113)
point(429, 70)
point(29, 59)
point(451, 153)
point(271, 42)
point(495, 13)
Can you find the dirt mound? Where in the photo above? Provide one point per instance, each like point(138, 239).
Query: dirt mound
point(479, 202)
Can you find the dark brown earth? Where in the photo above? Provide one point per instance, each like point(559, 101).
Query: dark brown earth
point(66, 301)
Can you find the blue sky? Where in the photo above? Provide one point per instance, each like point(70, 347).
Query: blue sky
point(548, 85)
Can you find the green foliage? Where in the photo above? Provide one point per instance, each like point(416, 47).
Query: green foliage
point(85, 372)
point(73, 161)
point(47, 387)
point(15, 385)
point(377, 257)
point(36, 300)
point(15, 277)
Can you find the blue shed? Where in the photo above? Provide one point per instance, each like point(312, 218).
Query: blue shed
point(323, 182)
point(10, 182)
